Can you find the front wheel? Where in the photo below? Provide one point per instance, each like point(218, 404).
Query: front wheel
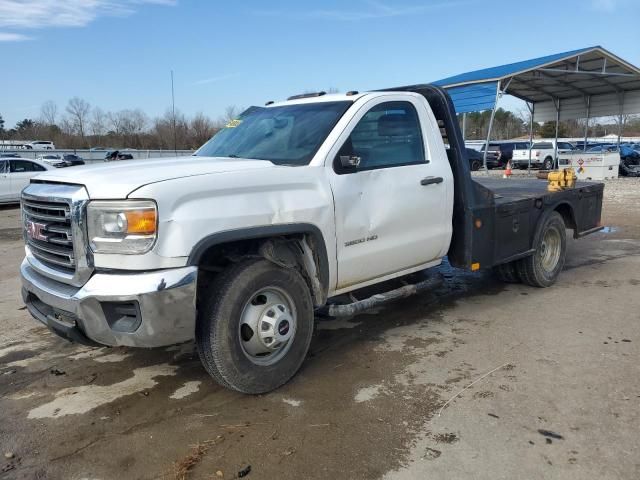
point(550, 242)
point(548, 163)
point(475, 165)
point(256, 325)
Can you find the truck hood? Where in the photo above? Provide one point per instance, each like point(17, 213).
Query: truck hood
point(118, 179)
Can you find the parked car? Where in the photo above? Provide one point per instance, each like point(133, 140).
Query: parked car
point(41, 145)
point(629, 162)
point(53, 160)
point(541, 154)
point(15, 174)
point(504, 150)
point(71, 160)
point(603, 148)
point(117, 155)
point(476, 159)
point(579, 145)
point(237, 246)
point(9, 155)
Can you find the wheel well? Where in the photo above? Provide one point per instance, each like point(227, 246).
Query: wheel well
point(568, 216)
point(299, 250)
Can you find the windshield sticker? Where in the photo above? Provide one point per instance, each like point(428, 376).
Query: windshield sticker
point(233, 123)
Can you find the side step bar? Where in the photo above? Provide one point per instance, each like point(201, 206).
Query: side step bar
point(359, 306)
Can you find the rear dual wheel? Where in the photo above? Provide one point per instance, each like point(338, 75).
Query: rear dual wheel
point(543, 267)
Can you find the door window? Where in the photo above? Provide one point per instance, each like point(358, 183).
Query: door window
point(387, 136)
point(4, 167)
point(19, 166)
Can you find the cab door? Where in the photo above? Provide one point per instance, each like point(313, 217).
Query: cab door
point(392, 209)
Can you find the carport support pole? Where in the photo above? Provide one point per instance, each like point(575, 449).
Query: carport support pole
point(586, 123)
point(555, 146)
point(493, 114)
point(620, 116)
point(464, 126)
point(532, 110)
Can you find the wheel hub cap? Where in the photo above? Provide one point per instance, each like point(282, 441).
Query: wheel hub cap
point(550, 249)
point(267, 326)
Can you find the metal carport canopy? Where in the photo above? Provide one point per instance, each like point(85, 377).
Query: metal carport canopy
point(584, 83)
point(589, 82)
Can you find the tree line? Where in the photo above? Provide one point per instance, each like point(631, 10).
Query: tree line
point(81, 125)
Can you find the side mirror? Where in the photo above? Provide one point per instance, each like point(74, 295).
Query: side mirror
point(350, 162)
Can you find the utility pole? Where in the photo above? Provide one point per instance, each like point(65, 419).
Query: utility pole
point(173, 117)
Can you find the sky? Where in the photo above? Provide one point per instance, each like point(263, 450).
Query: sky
point(118, 54)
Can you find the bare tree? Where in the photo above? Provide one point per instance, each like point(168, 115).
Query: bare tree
point(67, 127)
point(138, 121)
point(98, 122)
point(116, 122)
point(163, 129)
point(202, 128)
point(78, 110)
point(49, 112)
point(621, 121)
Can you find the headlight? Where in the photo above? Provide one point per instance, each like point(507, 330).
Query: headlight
point(127, 226)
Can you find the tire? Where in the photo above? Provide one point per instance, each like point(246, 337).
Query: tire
point(550, 242)
point(507, 272)
point(548, 163)
point(230, 331)
point(475, 165)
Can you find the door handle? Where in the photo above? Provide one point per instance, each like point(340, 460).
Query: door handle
point(431, 180)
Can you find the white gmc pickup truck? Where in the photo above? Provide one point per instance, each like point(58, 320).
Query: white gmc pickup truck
point(540, 155)
point(285, 208)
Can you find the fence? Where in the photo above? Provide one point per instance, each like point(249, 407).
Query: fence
point(95, 156)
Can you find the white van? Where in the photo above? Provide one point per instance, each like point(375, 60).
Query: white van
point(42, 145)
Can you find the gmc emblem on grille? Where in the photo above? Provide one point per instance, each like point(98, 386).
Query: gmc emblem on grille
point(35, 231)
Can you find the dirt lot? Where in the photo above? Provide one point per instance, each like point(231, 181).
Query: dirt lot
point(562, 402)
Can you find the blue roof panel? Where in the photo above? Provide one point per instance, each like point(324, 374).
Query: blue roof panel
point(474, 98)
point(508, 70)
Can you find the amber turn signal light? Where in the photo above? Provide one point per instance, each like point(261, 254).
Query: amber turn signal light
point(141, 222)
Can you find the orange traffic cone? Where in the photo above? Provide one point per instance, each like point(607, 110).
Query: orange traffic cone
point(507, 170)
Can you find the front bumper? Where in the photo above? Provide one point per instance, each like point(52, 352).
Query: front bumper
point(150, 309)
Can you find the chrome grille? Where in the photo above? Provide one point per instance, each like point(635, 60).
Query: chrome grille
point(54, 217)
point(48, 232)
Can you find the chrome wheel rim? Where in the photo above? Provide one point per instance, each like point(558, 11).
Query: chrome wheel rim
point(550, 249)
point(267, 326)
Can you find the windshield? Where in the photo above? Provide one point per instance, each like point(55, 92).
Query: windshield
point(286, 135)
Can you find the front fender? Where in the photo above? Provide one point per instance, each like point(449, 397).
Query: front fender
point(267, 231)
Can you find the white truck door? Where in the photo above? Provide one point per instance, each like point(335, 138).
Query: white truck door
point(393, 211)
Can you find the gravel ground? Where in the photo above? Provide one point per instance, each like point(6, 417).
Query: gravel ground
point(555, 385)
